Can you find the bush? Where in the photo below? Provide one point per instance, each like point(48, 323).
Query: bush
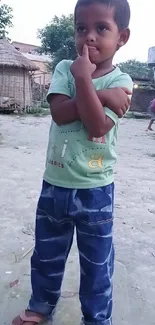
point(37, 111)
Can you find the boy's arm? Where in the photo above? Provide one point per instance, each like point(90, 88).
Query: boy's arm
point(97, 120)
point(118, 99)
point(64, 109)
point(89, 106)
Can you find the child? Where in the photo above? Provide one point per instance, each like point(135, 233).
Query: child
point(152, 114)
point(78, 186)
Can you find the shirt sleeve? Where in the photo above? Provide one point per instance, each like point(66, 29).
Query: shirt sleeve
point(60, 80)
point(123, 80)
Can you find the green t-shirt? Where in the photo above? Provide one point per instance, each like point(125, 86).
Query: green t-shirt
point(74, 160)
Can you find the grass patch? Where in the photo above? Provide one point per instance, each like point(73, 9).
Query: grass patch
point(45, 105)
point(136, 115)
point(37, 111)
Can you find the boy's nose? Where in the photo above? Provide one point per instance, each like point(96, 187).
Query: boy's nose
point(91, 37)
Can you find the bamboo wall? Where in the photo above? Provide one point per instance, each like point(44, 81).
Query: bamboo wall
point(15, 83)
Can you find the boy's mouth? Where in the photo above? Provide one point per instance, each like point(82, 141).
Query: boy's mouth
point(93, 50)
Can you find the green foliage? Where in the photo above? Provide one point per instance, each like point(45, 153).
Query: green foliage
point(136, 69)
point(44, 104)
point(67, 52)
point(37, 111)
point(57, 39)
point(5, 19)
point(54, 35)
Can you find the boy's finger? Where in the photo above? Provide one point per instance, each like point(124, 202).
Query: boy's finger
point(94, 66)
point(126, 107)
point(127, 91)
point(121, 113)
point(129, 100)
point(85, 51)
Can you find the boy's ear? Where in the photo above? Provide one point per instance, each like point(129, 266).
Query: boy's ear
point(124, 37)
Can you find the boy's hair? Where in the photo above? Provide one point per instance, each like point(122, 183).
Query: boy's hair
point(122, 10)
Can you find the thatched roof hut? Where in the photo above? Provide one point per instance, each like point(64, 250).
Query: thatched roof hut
point(15, 76)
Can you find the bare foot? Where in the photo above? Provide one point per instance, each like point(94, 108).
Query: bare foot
point(150, 129)
point(28, 318)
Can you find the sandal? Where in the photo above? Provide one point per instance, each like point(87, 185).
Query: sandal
point(33, 318)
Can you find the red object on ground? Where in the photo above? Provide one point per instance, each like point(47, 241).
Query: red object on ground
point(14, 283)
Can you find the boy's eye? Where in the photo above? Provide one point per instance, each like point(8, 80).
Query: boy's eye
point(101, 28)
point(81, 29)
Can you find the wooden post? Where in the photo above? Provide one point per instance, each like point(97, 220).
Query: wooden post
point(24, 90)
point(44, 87)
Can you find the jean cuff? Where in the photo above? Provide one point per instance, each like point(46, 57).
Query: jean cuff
point(106, 322)
point(41, 308)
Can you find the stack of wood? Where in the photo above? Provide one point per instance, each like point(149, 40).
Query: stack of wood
point(8, 103)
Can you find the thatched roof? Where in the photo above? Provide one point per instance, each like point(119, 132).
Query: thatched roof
point(10, 57)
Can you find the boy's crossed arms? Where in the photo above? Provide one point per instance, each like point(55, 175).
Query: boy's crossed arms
point(88, 104)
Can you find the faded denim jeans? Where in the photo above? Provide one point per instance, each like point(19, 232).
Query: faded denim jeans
point(59, 212)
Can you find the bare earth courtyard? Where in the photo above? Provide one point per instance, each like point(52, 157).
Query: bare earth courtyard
point(23, 143)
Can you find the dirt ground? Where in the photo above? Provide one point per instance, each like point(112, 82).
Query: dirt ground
point(23, 142)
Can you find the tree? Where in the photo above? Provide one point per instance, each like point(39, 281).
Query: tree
point(67, 52)
point(136, 69)
point(5, 19)
point(57, 39)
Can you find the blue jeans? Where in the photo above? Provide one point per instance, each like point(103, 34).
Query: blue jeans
point(59, 211)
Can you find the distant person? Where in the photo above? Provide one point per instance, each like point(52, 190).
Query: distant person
point(152, 114)
point(86, 97)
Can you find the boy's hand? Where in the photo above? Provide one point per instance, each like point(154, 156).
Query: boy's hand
point(117, 100)
point(82, 66)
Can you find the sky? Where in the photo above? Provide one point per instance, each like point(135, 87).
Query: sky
point(30, 15)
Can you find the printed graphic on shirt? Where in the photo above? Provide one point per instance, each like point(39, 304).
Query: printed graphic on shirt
point(64, 149)
point(96, 161)
point(97, 140)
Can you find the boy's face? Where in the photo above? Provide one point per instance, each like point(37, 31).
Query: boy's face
point(95, 26)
